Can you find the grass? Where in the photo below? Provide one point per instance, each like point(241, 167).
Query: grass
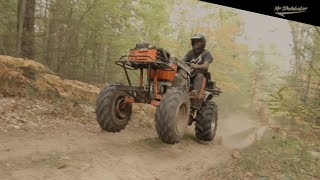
point(31, 91)
point(276, 156)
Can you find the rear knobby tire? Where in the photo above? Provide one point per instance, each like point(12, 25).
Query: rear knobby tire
point(172, 116)
point(109, 117)
point(206, 121)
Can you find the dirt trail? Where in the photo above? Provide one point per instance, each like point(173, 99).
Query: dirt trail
point(82, 151)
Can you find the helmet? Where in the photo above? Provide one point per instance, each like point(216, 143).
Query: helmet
point(199, 46)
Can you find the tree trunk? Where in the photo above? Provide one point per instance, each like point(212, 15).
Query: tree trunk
point(98, 61)
point(20, 18)
point(254, 89)
point(306, 95)
point(104, 76)
point(84, 65)
point(67, 37)
point(2, 48)
point(27, 38)
point(45, 31)
point(57, 13)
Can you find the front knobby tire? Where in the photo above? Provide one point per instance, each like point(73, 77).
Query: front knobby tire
point(172, 116)
point(112, 112)
point(206, 121)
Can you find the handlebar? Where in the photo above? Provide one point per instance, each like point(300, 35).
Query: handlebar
point(188, 63)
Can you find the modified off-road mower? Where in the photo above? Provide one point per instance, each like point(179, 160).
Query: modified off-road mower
point(167, 88)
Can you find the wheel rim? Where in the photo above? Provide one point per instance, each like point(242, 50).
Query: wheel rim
point(181, 118)
point(213, 125)
point(120, 108)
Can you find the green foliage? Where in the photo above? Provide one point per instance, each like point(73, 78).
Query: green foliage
point(8, 26)
point(298, 97)
point(276, 156)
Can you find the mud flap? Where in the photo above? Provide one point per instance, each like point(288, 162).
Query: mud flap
point(207, 96)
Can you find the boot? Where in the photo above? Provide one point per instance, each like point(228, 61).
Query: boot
point(194, 94)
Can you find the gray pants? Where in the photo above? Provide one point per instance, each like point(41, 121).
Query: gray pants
point(197, 81)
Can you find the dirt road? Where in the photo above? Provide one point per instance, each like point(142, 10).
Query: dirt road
point(82, 151)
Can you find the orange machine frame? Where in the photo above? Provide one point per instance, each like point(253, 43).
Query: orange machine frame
point(143, 55)
point(154, 75)
point(163, 75)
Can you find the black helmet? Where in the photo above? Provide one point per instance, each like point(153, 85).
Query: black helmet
point(198, 37)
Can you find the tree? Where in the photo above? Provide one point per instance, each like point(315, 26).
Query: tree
point(299, 95)
point(25, 28)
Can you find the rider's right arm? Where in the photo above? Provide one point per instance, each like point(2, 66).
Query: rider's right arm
point(187, 57)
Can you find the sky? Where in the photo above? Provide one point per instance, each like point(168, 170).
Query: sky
point(269, 30)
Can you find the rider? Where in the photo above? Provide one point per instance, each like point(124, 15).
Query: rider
point(199, 59)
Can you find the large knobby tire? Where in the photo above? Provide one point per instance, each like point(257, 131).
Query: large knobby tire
point(112, 112)
point(207, 121)
point(172, 116)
